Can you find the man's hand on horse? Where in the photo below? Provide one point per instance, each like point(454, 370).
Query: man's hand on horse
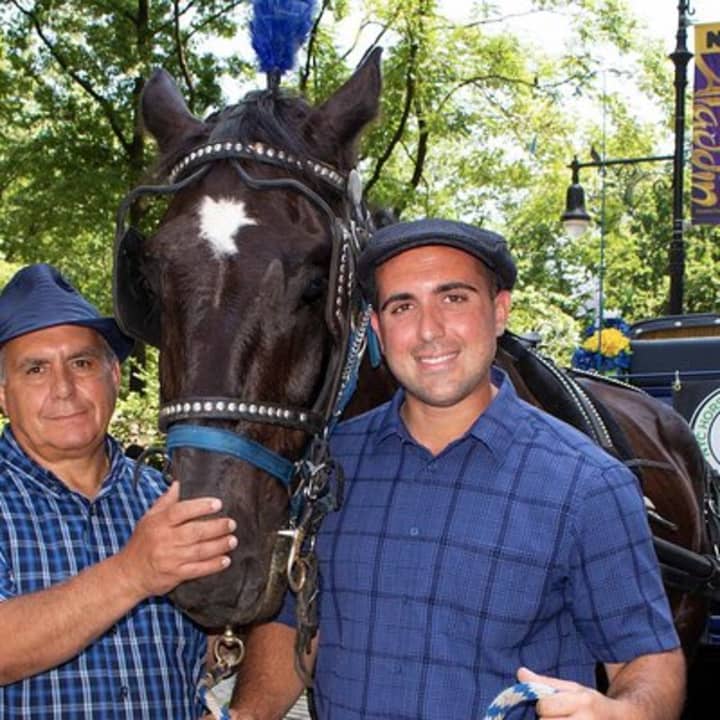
point(176, 541)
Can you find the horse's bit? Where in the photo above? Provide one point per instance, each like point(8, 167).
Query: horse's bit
point(137, 313)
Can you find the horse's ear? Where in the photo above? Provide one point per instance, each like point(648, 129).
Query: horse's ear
point(352, 106)
point(164, 112)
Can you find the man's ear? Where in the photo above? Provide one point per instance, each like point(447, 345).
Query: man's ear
point(503, 302)
point(116, 375)
point(374, 350)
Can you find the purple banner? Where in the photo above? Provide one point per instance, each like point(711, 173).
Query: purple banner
point(705, 205)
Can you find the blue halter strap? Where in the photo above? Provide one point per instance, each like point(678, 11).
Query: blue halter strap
point(230, 443)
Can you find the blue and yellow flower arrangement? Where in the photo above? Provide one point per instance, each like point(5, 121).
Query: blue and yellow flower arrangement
point(607, 350)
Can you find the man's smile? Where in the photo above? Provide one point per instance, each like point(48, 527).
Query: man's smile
point(437, 359)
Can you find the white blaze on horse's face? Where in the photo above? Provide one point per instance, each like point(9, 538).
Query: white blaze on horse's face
point(219, 222)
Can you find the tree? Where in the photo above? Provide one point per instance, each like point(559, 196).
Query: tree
point(75, 144)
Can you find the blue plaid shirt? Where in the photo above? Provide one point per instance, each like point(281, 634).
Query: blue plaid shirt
point(521, 543)
point(148, 664)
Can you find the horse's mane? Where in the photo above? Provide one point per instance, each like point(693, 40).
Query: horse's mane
point(279, 119)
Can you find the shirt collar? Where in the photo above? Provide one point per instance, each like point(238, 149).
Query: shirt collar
point(495, 427)
point(12, 452)
point(391, 422)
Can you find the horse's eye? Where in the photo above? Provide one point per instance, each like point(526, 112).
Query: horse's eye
point(315, 290)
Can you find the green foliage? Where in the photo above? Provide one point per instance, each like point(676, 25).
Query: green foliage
point(72, 73)
point(7, 270)
point(136, 413)
point(541, 313)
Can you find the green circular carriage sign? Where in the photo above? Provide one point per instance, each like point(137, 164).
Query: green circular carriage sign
point(705, 422)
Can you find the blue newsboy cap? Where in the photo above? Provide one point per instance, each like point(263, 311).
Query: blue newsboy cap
point(39, 297)
point(489, 247)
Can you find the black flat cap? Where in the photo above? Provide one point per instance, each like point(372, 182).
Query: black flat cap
point(489, 247)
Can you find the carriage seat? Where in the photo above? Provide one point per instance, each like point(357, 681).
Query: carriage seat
point(658, 364)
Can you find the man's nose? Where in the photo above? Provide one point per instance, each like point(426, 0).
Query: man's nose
point(431, 323)
point(63, 382)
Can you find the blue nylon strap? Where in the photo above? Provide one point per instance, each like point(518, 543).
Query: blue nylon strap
point(515, 695)
point(230, 443)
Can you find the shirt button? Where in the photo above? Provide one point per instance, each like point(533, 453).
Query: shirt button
point(414, 531)
point(397, 668)
point(124, 692)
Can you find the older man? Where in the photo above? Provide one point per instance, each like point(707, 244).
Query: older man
point(86, 555)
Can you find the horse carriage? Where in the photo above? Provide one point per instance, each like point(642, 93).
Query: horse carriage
point(248, 289)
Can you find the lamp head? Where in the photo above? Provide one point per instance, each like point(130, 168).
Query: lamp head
point(575, 219)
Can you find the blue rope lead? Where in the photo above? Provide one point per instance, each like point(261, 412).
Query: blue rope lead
point(516, 695)
point(215, 705)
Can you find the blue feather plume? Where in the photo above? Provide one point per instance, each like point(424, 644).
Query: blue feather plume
point(278, 29)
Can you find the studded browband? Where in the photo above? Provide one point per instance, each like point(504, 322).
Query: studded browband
point(229, 150)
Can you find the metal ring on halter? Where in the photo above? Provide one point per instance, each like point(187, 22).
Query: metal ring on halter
point(516, 695)
point(229, 650)
point(297, 574)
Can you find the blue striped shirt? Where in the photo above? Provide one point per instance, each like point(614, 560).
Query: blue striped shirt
point(521, 543)
point(148, 664)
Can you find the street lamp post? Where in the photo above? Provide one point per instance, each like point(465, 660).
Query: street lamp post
point(680, 57)
point(576, 218)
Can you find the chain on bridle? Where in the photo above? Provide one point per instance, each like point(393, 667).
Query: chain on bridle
point(307, 479)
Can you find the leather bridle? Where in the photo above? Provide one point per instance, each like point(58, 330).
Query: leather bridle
point(347, 320)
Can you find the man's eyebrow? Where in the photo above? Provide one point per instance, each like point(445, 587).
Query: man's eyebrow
point(396, 297)
point(90, 350)
point(28, 361)
point(454, 285)
point(439, 290)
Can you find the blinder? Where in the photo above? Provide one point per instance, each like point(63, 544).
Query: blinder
point(137, 306)
point(136, 303)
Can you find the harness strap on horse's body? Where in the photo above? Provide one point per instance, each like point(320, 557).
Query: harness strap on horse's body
point(541, 371)
point(515, 695)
